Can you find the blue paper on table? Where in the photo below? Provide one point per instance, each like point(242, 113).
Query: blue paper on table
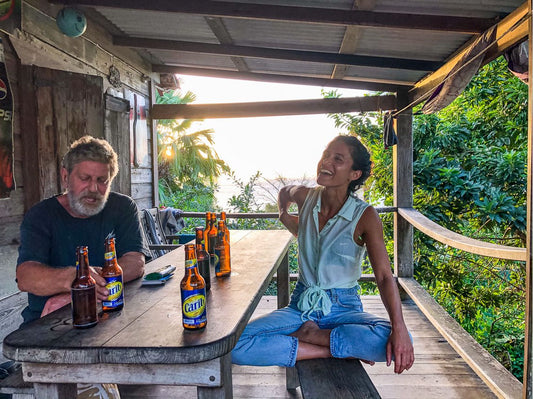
point(160, 276)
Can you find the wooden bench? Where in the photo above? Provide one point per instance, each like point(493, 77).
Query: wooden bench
point(335, 378)
point(10, 319)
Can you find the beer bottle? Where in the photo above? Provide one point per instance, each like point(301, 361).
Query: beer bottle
point(213, 233)
point(199, 235)
point(112, 273)
point(83, 292)
point(223, 267)
point(226, 234)
point(193, 300)
point(203, 265)
point(206, 230)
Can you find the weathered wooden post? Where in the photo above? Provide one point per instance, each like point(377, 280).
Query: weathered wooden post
point(528, 350)
point(403, 188)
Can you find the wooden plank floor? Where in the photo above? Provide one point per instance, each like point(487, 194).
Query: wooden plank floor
point(438, 372)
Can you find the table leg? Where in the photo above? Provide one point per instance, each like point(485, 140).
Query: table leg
point(226, 390)
point(283, 282)
point(55, 391)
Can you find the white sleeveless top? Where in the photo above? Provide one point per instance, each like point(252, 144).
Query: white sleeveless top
point(329, 258)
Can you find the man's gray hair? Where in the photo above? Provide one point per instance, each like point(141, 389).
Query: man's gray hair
point(88, 148)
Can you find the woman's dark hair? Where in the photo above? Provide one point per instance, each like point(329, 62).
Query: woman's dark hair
point(361, 160)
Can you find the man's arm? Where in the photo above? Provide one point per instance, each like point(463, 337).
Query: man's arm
point(132, 264)
point(43, 280)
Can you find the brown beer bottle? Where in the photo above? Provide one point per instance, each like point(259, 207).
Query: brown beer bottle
point(203, 265)
point(212, 238)
point(112, 273)
point(193, 300)
point(199, 235)
point(83, 293)
point(226, 234)
point(223, 266)
point(206, 230)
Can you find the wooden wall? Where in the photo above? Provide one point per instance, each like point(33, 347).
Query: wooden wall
point(41, 44)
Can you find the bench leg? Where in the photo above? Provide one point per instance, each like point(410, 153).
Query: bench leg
point(291, 378)
point(55, 391)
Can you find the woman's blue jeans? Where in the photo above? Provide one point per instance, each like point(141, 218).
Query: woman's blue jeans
point(266, 341)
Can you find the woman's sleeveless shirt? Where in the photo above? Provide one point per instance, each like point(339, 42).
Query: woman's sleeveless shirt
point(329, 258)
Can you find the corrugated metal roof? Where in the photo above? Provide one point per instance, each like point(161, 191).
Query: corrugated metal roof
point(270, 36)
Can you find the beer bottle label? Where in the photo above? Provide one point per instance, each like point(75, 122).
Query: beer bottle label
point(190, 263)
point(220, 259)
point(116, 293)
point(215, 260)
point(109, 255)
point(193, 307)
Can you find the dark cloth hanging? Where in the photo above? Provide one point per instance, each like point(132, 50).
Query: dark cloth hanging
point(171, 220)
point(460, 75)
point(389, 135)
point(517, 58)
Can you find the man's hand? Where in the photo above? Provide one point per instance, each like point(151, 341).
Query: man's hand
point(101, 291)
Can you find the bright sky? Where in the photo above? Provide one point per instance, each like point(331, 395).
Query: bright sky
point(288, 146)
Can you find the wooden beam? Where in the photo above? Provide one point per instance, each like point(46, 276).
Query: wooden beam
point(273, 108)
point(277, 78)
point(219, 30)
point(511, 30)
point(329, 16)
point(351, 38)
point(498, 378)
point(448, 237)
point(274, 53)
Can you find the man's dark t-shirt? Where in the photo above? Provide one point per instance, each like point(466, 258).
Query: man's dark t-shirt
point(50, 235)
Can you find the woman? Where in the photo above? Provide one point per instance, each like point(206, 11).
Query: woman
point(325, 317)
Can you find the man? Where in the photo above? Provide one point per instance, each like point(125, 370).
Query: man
point(84, 214)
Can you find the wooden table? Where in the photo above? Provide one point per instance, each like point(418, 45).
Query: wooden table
point(145, 343)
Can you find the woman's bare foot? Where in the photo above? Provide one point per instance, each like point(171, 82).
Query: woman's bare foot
point(311, 333)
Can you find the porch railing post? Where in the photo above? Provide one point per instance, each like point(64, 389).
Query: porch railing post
point(528, 349)
point(403, 188)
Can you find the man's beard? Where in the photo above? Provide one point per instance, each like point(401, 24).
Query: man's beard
point(85, 209)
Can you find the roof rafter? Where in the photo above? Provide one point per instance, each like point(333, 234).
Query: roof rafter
point(299, 14)
point(273, 53)
point(279, 78)
point(273, 108)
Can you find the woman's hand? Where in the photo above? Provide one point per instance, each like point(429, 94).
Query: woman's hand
point(401, 346)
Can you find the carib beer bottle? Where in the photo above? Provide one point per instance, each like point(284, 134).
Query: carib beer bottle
point(112, 273)
point(212, 238)
point(223, 266)
point(202, 258)
point(83, 292)
point(199, 234)
point(206, 230)
point(193, 300)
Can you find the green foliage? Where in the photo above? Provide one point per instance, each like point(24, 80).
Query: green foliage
point(245, 202)
point(469, 176)
point(186, 156)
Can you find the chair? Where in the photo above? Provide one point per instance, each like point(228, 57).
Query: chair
point(158, 243)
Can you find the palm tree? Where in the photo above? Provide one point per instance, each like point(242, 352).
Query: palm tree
point(185, 156)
